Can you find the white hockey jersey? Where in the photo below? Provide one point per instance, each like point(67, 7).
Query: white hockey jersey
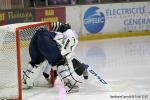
point(68, 41)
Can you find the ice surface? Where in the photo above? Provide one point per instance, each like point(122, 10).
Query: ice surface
point(123, 62)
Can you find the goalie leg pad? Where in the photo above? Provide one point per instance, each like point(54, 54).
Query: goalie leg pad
point(78, 67)
point(30, 75)
point(66, 76)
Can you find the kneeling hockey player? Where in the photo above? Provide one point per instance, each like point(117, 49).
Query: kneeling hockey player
point(60, 27)
point(56, 48)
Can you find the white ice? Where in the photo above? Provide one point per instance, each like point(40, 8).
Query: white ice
point(123, 62)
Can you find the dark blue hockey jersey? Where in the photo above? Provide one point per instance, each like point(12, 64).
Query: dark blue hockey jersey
point(43, 46)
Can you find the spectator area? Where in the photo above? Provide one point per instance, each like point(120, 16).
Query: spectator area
point(13, 4)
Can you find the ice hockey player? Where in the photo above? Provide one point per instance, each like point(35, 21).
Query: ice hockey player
point(60, 27)
point(56, 48)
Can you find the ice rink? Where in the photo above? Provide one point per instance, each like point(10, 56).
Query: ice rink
point(122, 62)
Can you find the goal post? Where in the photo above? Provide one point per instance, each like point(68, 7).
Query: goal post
point(14, 56)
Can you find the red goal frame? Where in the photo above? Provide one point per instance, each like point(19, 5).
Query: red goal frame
point(19, 56)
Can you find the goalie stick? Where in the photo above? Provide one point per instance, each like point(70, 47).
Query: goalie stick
point(108, 87)
point(99, 79)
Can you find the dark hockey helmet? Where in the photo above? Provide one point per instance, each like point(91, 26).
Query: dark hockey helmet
point(64, 27)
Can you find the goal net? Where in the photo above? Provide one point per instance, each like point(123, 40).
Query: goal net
point(14, 56)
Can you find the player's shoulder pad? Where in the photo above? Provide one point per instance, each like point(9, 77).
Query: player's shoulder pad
point(71, 33)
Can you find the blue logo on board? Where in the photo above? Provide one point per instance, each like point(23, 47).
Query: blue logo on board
point(94, 20)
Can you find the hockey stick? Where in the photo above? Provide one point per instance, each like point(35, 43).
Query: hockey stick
point(109, 87)
point(100, 79)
